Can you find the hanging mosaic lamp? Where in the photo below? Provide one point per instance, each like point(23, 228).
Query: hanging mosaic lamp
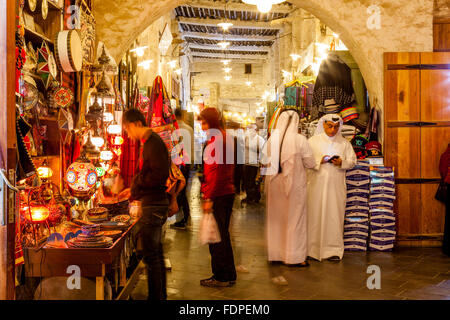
point(81, 176)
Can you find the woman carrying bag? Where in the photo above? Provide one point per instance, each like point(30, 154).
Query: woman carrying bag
point(218, 197)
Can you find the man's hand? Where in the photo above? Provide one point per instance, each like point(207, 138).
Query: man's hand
point(337, 162)
point(207, 206)
point(325, 159)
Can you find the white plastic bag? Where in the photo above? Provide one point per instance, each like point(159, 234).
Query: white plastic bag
point(209, 231)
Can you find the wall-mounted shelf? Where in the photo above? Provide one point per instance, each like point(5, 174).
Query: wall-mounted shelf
point(37, 38)
point(45, 157)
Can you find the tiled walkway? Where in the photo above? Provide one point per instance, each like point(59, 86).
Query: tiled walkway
point(406, 273)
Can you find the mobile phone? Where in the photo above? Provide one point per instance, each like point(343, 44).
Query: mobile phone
point(333, 158)
point(327, 159)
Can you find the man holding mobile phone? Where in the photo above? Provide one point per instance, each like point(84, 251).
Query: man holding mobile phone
point(327, 192)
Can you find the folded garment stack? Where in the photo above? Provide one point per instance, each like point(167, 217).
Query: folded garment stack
point(356, 223)
point(381, 203)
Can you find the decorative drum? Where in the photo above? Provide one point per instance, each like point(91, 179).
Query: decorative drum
point(68, 50)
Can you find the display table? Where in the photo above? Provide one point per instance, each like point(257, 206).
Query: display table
point(93, 262)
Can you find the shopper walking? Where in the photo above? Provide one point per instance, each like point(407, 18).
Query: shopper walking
point(327, 191)
point(253, 144)
point(286, 192)
point(185, 168)
point(149, 186)
point(218, 196)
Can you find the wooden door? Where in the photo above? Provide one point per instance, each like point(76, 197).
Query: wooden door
point(417, 131)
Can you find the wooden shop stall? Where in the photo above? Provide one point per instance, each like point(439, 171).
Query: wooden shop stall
point(73, 211)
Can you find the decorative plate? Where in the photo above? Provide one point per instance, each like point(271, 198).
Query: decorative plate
point(44, 8)
point(121, 218)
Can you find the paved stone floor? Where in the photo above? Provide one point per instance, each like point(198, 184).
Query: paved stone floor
point(406, 273)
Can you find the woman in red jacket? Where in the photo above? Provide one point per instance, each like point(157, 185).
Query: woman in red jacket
point(218, 196)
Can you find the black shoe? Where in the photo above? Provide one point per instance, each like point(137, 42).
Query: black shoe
point(212, 282)
point(334, 258)
point(298, 265)
point(179, 225)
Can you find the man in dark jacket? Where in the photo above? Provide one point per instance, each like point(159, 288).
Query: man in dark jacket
point(149, 186)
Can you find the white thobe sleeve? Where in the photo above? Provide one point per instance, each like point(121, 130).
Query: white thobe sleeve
point(317, 156)
point(349, 160)
point(309, 161)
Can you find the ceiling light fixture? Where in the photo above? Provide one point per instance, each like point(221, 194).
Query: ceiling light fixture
point(225, 25)
point(295, 56)
point(145, 64)
point(228, 78)
point(263, 6)
point(226, 62)
point(139, 50)
point(248, 83)
point(227, 70)
point(172, 63)
point(179, 71)
point(223, 44)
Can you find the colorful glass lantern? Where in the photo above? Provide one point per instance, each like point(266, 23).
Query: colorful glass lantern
point(106, 155)
point(108, 117)
point(44, 171)
point(39, 213)
point(81, 176)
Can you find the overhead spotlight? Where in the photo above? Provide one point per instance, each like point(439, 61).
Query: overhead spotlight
point(295, 56)
point(248, 83)
point(223, 44)
point(226, 62)
point(139, 50)
point(179, 71)
point(172, 63)
point(225, 25)
point(227, 70)
point(228, 78)
point(145, 64)
point(263, 6)
point(335, 35)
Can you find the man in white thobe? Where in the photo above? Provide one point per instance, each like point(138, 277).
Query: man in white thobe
point(327, 191)
point(286, 191)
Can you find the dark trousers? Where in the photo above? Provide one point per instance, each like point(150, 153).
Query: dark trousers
point(182, 199)
point(238, 176)
point(252, 190)
point(153, 218)
point(446, 240)
point(222, 260)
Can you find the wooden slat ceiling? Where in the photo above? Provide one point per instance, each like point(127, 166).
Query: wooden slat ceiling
point(190, 19)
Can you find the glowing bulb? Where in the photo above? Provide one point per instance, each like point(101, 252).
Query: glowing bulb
point(179, 71)
point(108, 117)
point(223, 44)
point(118, 141)
point(145, 64)
point(39, 213)
point(264, 6)
point(228, 78)
point(114, 129)
point(227, 70)
point(226, 62)
point(106, 155)
point(225, 25)
point(172, 63)
point(295, 56)
point(335, 35)
point(248, 83)
point(139, 50)
point(98, 141)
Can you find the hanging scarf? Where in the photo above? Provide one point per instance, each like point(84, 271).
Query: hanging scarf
point(160, 111)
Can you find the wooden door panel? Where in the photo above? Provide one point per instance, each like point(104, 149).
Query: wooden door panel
point(402, 151)
point(408, 209)
point(433, 211)
point(434, 141)
point(402, 94)
point(435, 87)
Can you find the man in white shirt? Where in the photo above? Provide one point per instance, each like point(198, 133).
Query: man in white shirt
point(182, 200)
point(253, 145)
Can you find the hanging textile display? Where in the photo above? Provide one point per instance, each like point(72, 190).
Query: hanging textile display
point(334, 81)
point(273, 121)
point(160, 111)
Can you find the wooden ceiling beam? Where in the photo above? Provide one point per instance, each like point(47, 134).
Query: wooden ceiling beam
point(219, 5)
point(228, 37)
point(230, 48)
point(236, 23)
point(229, 55)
